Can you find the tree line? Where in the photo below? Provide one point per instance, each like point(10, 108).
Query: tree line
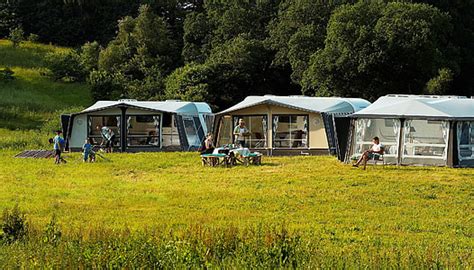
point(221, 51)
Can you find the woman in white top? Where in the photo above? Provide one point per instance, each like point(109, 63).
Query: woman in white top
point(377, 148)
point(240, 132)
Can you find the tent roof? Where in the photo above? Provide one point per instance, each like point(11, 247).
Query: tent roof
point(414, 106)
point(335, 105)
point(170, 106)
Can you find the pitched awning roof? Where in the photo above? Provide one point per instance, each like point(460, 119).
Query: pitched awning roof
point(413, 106)
point(170, 106)
point(335, 105)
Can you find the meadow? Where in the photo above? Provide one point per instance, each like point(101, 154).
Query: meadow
point(330, 213)
point(30, 104)
point(164, 210)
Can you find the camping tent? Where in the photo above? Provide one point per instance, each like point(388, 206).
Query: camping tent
point(284, 125)
point(142, 125)
point(417, 130)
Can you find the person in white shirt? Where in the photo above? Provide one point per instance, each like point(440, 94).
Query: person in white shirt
point(240, 132)
point(377, 148)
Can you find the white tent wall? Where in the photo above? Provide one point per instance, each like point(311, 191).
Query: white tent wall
point(425, 142)
point(388, 131)
point(79, 131)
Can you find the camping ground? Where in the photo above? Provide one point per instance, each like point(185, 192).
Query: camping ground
point(166, 210)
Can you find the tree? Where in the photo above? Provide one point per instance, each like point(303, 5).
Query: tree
point(440, 84)
point(376, 48)
point(142, 54)
point(17, 35)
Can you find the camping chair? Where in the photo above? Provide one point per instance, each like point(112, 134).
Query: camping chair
point(376, 157)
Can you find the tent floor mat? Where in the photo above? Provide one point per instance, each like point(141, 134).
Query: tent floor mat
point(36, 154)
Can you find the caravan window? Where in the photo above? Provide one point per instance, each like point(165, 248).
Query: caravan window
point(143, 130)
point(425, 141)
point(388, 130)
point(111, 121)
point(465, 134)
point(257, 125)
point(290, 131)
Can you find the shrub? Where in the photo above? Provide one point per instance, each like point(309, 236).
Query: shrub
point(90, 55)
point(6, 74)
point(17, 35)
point(104, 85)
point(65, 66)
point(14, 225)
point(52, 232)
point(33, 37)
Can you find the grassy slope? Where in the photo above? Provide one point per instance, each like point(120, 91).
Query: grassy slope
point(32, 99)
point(423, 210)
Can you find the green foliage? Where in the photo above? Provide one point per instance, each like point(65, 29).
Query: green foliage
point(140, 55)
point(52, 232)
point(6, 74)
point(33, 37)
point(89, 56)
point(190, 82)
point(104, 86)
point(16, 36)
point(65, 66)
point(14, 225)
point(373, 48)
point(440, 84)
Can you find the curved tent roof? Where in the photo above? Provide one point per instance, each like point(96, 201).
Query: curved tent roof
point(414, 106)
point(334, 105)
point(170, 106)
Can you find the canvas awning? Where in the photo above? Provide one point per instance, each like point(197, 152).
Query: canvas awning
point(169, 106)
point(331, 105)
point(426, 107)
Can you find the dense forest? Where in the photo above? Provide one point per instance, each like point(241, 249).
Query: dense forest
point(222, 51)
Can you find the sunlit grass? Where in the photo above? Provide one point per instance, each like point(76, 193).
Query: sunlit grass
point(29, 100)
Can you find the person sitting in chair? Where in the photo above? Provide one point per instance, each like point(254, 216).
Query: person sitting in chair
point(208, 146)
point(377, 148)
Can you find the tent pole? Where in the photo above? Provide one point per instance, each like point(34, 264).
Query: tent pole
point(400, 143)
point(123, 129)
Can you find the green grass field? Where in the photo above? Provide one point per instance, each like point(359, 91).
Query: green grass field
point(164, 210)
point(426, 213)
point(31, 100)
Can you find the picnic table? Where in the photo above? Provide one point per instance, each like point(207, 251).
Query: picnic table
point(227, 156)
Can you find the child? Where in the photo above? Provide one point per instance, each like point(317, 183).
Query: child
point(58, 144)
point(87, 148)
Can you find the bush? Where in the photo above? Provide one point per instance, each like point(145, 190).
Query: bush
point(6, 74)
point(104, 85)
point(33, 37)
point(14, 225)
point(17, 35)
point(52, 232)
point(90, 56)
point(65, 66)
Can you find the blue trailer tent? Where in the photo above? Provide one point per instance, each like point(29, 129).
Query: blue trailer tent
point(141, 125)
point(417, 130)
point(291, 125)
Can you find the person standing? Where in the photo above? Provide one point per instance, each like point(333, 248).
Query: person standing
point(108, 136)
point(240, 132)
point(58, 143)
